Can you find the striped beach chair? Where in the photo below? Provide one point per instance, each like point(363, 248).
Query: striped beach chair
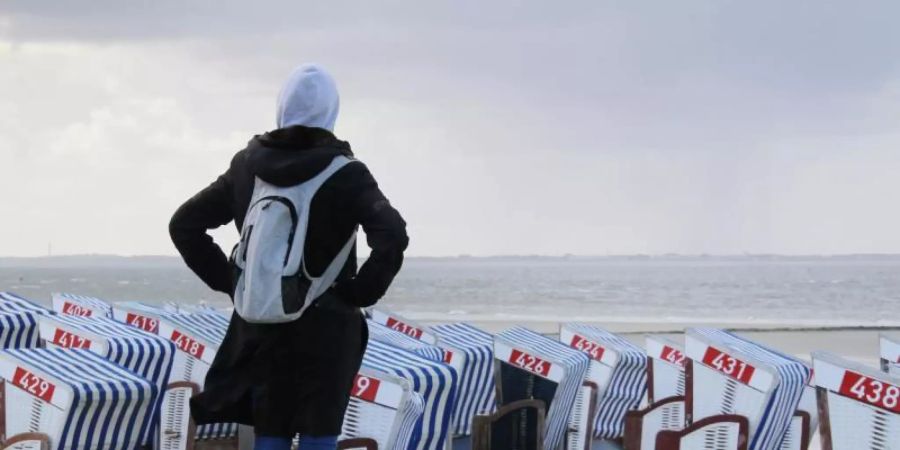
point(665, 395)
point(384, 408)
point(197, 338)
point(665, 368)
point(80, 305)
point(890, 354)
point(529, 365)
point(147, 355)
point(731, 375)
point(435, 381)
point(72, 400)
point(859, 405)
point(18, 321)
point(618, 369)
point(738, 395)
point(469, 350)
point(381, 333)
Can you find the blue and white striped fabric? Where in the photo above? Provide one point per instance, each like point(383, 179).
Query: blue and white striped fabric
point(615, 363)
point(18, 330)
point(215, 322)
point(18, 321)
point(793, 375)
point(571, 366)
point(145, 354)
point(435, 381)
point(80, 305)
point(381, 333)
point(10, 302)
point(476, 394)
point(110, 406)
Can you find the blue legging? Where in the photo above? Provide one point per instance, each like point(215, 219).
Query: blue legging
point(306, 443)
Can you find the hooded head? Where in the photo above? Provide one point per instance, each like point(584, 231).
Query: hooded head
point(308, 98)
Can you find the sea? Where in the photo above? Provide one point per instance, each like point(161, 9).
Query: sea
point(846, 291)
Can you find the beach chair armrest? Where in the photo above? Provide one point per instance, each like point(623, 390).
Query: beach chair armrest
point(732, 431)
point(27, 441)
point(357, 444)
point(482, 425)
point(642, 426)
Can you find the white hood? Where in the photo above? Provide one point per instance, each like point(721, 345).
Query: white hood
point(308, 98)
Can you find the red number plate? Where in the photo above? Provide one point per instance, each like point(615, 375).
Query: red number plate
point(188, 345)
point(871, 391)
point(33, 384)
point(530, 363)
point(672, 355)
point(404, 328)
point(65, 339)
point(143, 322)
point(365, 388)
point(71, 309)
point(729, 365)
point(591, 348)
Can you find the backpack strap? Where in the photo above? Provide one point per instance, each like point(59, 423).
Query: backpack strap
point(318, 285)
point(321, 284)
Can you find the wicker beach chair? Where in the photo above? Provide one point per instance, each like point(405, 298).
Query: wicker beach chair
point(75, 398)
point(469, 350)
point(435, 381)
point(147, 355)
point(618, 372)
point(859, 406)
point(383, 411)
point(738, 394)
point(529, 366)
point(465, 348)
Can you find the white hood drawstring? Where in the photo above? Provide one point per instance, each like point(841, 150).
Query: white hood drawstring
point(308, 98)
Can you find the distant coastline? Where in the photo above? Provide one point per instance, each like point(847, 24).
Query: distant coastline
point(164, 261)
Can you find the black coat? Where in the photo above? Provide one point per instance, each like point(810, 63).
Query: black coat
point(294, 377)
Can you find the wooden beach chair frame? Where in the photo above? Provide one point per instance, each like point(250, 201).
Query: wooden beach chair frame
point(27, 441)
point(357, 444)
point(482, 424)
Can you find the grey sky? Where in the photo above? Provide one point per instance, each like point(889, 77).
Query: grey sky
point(585, 127)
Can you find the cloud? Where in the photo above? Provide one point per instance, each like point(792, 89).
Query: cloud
point(500, 127)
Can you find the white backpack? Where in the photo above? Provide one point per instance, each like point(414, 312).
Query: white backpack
point(273, 285)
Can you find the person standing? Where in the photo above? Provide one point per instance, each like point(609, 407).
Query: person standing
point(296, 339)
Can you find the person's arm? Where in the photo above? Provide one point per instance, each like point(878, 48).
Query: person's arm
point(386, 235)
point(209, 209)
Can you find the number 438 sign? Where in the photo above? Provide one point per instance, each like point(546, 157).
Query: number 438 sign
point(871, 391)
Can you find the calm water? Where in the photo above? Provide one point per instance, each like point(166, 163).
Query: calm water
point(792, 292)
